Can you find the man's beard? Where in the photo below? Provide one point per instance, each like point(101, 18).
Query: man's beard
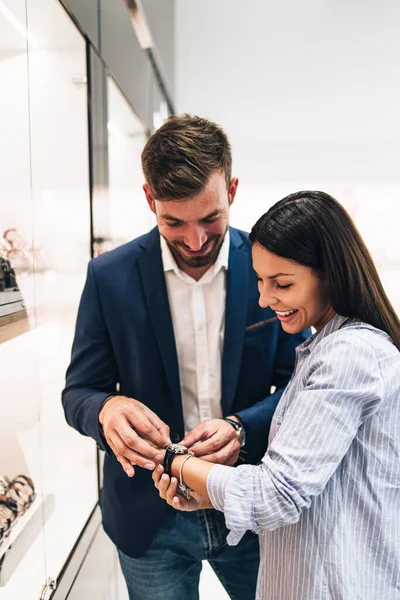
point(195, 262)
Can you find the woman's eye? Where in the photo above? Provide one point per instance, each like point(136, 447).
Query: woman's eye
point(284, 287)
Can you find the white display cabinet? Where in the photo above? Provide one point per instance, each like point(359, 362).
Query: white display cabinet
point(45, 236)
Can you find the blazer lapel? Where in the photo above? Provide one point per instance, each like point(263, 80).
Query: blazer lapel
point(235, 319)
point(155, 290)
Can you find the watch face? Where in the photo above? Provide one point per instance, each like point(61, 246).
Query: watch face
point(242, 437)
point(178, 448)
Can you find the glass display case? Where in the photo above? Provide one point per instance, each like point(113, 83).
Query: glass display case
point(44, 250)
point(71, 179)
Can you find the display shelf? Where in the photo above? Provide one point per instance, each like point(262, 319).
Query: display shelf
point(26, 528)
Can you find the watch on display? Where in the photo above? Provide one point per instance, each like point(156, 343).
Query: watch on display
point(16, 495)
point(240, 430)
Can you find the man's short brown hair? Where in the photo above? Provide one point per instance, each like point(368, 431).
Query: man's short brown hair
point(179, 158)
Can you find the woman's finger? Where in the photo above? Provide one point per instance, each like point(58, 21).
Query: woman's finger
point(163, 486)
point(179, 503)
point(156, 475)
point(171, 491)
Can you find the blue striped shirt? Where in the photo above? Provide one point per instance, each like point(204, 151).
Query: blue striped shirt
point(325, 500)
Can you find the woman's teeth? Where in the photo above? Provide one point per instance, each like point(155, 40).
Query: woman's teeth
point(285, 313)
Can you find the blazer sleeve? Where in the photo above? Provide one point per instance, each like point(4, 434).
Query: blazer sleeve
point(257, 418)
point(92, 374)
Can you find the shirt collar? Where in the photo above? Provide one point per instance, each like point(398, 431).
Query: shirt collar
point(333, 325)
point(169, 263)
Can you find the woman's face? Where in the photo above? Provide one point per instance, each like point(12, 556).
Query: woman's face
point(293, 291)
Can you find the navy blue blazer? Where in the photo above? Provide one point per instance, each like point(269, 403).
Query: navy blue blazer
point(124, 343)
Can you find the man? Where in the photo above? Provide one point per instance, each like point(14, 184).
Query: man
point(169, 339)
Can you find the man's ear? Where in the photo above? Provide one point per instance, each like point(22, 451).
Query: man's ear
point(149, 198)
point(232, 189)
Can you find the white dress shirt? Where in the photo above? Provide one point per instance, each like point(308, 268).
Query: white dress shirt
point(198, 318)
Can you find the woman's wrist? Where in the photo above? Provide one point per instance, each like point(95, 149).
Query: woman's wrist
point(194, 472)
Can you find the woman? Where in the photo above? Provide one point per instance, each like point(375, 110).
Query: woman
point(325, 499)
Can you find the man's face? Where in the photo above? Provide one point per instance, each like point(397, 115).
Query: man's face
point(194, 228)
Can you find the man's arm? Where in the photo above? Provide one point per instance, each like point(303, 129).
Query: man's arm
point(91, 404)
point(92, 374)
point(257, 418)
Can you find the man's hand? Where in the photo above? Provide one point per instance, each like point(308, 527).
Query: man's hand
point(218, 441)
point(134, 433)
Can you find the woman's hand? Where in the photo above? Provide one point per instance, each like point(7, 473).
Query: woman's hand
point(167, 488)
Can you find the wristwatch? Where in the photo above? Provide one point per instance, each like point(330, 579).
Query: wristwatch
point(171, 451)
point(240, 430)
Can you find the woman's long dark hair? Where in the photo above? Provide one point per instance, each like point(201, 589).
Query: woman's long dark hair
point(314, 230)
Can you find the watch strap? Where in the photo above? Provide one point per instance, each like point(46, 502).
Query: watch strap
point(235, 424)
point(168, 458)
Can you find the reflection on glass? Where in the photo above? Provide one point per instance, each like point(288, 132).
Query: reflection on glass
point(19, 402)
point(16, 267)
point(44, 250)
point(61, 230)
point(129, 214)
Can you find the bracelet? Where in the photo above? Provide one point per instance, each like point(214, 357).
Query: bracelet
point(182, 487)
point(181, 468)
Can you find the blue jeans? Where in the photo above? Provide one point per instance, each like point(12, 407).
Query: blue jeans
point(170, 568)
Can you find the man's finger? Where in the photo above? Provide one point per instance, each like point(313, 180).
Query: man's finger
point(133, 441)
point(197, 434)
point(224, 454)
point(209, 446)
point(143, 455)
point(161, 427)
point(147, 430)
point(126, 465)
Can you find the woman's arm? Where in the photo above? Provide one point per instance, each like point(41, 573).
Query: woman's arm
point(343, 389)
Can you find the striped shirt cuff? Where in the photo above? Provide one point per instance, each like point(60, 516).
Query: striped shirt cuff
point(217, 481)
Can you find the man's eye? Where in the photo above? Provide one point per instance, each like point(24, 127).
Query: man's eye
point(210, 220)
point(284, 287)
point(174, 224)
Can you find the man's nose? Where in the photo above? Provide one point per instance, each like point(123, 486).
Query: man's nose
point(195, 238)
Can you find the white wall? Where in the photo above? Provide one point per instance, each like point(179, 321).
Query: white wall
point(309, 94)
point(295, 82)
